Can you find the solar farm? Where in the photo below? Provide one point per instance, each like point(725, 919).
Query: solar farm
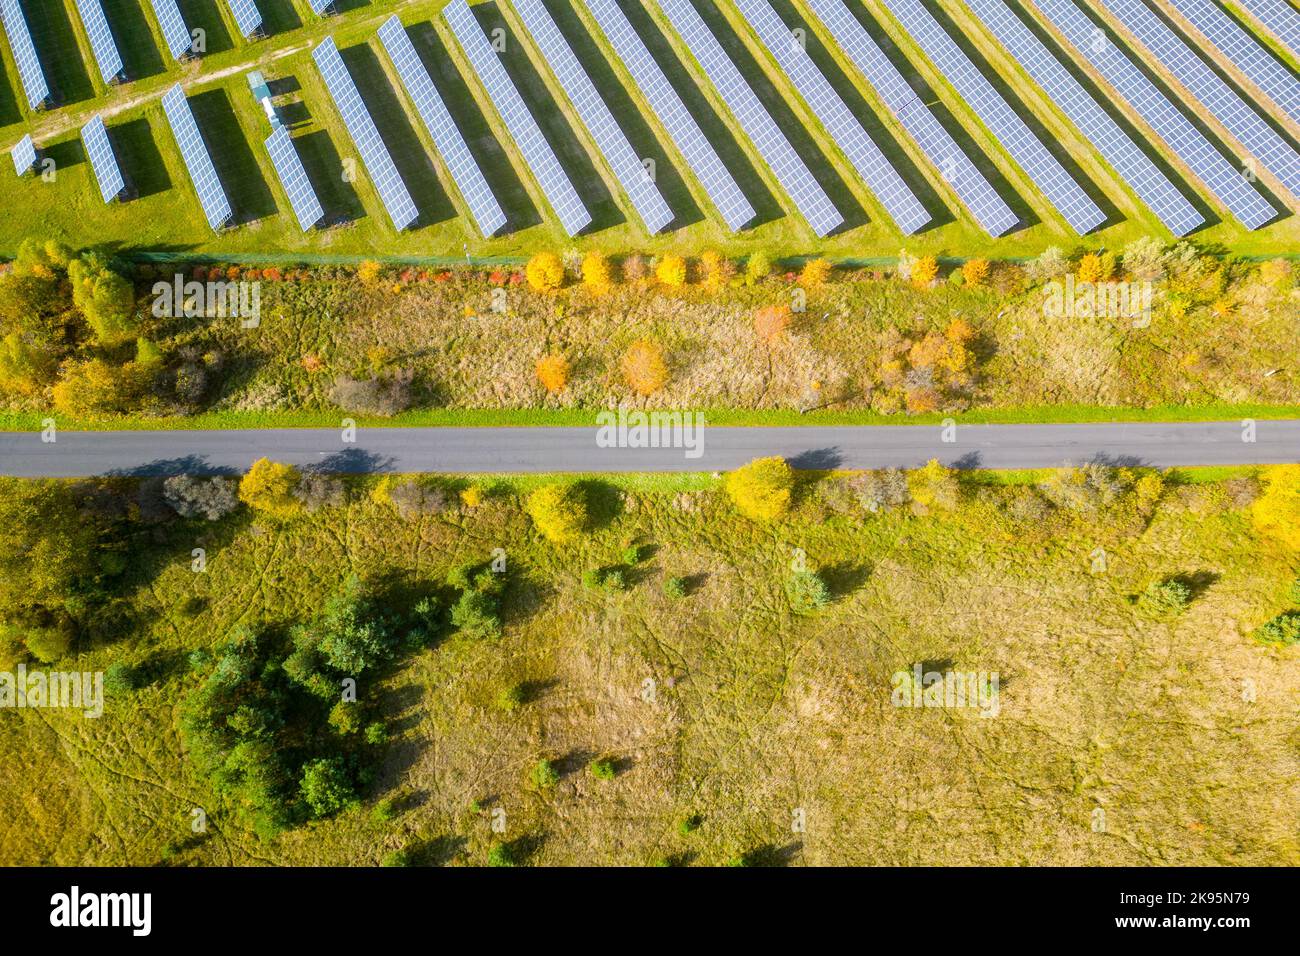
point(846, 128)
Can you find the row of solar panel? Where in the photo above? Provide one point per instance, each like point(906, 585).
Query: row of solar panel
point(787, 48)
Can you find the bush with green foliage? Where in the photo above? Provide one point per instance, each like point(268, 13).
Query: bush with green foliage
point(119, 679)
point(545, 775)
point(1283, 629)
point(104, 297)
point(501, 854)
point(327, 786)
point(675, 588)
point(807, 592)
point(1165, 597)
point(603, 768)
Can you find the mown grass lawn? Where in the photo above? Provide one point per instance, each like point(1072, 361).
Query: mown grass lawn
point(166, 215)
point(724, 705)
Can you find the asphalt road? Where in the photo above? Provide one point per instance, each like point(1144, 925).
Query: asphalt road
point(507, 450)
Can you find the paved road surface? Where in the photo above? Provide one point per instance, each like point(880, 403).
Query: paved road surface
point(505, 450)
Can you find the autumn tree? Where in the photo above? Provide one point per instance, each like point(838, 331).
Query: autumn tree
point(643, 367)
point(716, 270)
point(553, 372)
point(24, 366)
point(1276, 512)
point(936, 486)
point(597, 273)
point(975, 271)
point(369, 271)
point(771, 322)
point(761, 490)
point(559, 511)
point(269, 487)
point(816, 272)
point(671, 271)
point(545, 272)
point(925, 270)
point(97, 387)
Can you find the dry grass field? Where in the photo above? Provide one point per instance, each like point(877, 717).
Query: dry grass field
point(1121, 739)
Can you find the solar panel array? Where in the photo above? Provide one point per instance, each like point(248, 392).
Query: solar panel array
point(835, 115)
point(790, 170)
point(483, 206)
point(293, 177)
point(1142, 175)
point(216, 207)
point(596, 116)
point(1280, 17)
point(1034, 158)
point(1222, 177)
point(676, 119)
point(539, 156)
point(970, 185)
point(24, 155)
point(1219, 98)
point(247, 17)
point(175, 32)
point(319, 7)
point(29, 64)
point(1259, 66)
point(102, 159)
point(374, 154)
point(102, 43)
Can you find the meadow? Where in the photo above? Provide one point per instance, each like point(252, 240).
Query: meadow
point(165, 217)
point(729, 728)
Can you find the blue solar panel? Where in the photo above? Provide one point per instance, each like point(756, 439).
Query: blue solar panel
point(374, 154)
point(24, 155)
point(29, 65)
point(1281, 18)
point(102, 43)
point(835, 115)
point(539, 156)
point(1258, 65)
point(708, 167)
point(970, 185)
point(320, 7)
point(212, 197)
point(247, 16)
point(1219, 98)
point(102, 159)
point(293, 177)
point(1223, 178)
point(1034, 158)
point(610, 139)
point(1141, 174)
point(177, 35)
point(790, 170)
point(437, 119)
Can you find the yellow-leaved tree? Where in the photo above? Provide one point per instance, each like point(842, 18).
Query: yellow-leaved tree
point(553, 372)
point(545, 272)
point(269, 486)
point(761, 490)
point(671, 271)
point(1276, 512)
point(643, 367)
point(597, 273)
point(559, 511)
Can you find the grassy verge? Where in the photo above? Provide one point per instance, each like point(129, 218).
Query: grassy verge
point(586, 418)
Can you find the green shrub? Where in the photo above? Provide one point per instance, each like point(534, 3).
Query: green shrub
point(511, 698)
point(545, 775)
point(603, 768)
point(326, 787)
point(49, 644)
point(376, 733)
point(476, 615)
point(632, 555)
point(1283, 629)
point(615, 580)
point(501, 855)
point(119, 679)
point(397, 858)
point(688, 825)
point(675, 588)
point(807, 592)
point(1165, 597)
